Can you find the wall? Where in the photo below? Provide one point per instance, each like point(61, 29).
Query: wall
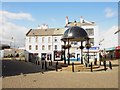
point(45, 43)
point(119, 38)
point(110, 39)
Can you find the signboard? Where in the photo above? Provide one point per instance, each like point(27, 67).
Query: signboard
point(108, 49)
point(58, 55)
point(93, 48)
point(118, 48)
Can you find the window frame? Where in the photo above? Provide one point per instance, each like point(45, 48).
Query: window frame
point(36, 47)
point(30, 47)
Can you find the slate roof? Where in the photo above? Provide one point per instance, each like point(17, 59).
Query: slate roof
point(46, 32)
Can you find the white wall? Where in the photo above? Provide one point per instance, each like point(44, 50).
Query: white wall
point(110, 39)
point(1, 54)
point(58, 43)
point(119, 38)
point(46, 43)
point(96, 34)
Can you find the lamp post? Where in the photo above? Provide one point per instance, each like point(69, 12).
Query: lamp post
point(68, 46)
point(69, 37)
point(64, 52)
point(81, 47)
point(88, 47)
point(64, 49)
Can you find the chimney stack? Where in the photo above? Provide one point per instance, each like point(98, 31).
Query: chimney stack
point(75, 23)
point(81, 19)
point(67, 20)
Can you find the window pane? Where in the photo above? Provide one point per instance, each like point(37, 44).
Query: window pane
point(92, 41)
point(43, 47)
point(55, 39)
point(49, 47)
point(36, 47)
point(55, 47)
point(90, 31)
point(30, 47)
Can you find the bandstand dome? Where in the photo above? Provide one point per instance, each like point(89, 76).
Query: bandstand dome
point(75, 33)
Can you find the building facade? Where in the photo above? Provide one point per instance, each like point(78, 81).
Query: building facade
point(45, 41)
point(111, 42)
point(42, 42)
point(92, 30)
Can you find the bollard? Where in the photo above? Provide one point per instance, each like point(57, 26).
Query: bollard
point(104, 65)
point(100, 62)
point(38, 62)
point(85, 64)
point(45, 65)
point(42, 65)
point(51, 62)
point(110, 65)
point(95, 62)
point(72, 66)
point(91, 67)
point(56, 66)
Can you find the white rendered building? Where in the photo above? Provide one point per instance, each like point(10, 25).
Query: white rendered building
point(110, 42)
point(110, 39)
point(93, 33)
point(42, 42)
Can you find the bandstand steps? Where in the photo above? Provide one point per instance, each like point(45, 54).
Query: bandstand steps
point(76, 68)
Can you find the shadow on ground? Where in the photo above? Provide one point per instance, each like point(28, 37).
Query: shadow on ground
point(16, 67)
point(113, 65)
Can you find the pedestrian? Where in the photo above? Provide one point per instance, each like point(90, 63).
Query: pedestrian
point(111, 57)
point(101, 56)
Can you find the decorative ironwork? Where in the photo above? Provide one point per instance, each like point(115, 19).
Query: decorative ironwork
point(66, 46)
point(88, 45)
point(81, 47)
point(74, 33)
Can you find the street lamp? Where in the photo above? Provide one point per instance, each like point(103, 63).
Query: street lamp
point(81, 47)
point(88, 45)
point(64, 47)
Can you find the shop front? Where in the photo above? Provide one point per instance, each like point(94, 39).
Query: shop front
point(46, 56)
point(58, 55)
point(33, 57)
point(117, 52)
point(110, 52)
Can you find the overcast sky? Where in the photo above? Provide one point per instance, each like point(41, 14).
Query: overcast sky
point(17, 18)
